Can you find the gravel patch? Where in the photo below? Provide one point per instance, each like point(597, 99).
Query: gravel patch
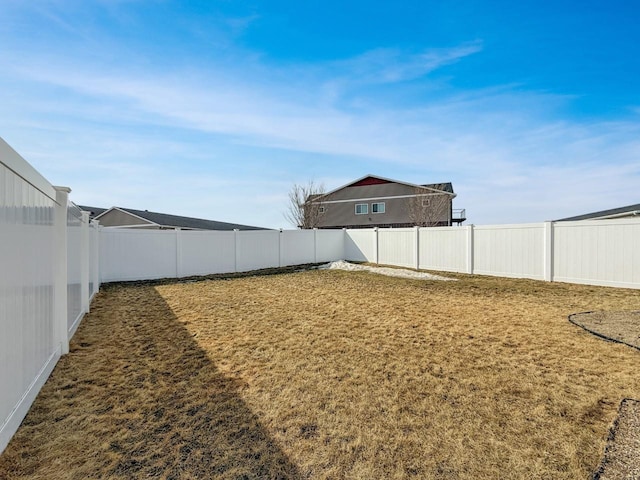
point(622, 455)
point(621, 327)
point(390, 272)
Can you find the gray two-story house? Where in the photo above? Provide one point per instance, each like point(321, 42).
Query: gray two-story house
point(373, 201)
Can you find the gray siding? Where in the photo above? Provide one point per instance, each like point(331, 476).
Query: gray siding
point(396, 213)
point(116, 218)
point(372, 191)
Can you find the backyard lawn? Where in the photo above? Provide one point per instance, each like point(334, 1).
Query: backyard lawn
point(331, 374)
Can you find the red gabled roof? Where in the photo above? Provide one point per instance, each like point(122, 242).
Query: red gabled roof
point(370, 180)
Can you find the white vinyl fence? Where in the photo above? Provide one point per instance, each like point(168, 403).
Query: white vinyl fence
point(128, 254)
point(594, 252)
point(44, 250)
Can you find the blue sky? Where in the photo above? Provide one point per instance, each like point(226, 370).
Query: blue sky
point(214, 109)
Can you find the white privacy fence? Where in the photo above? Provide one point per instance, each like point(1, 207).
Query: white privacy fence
point(44, 288)
point(603, 252)
point(128, 254)
point(593, 252)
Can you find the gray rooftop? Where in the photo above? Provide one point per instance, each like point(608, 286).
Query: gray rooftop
point(445, 186)
point(604, 213)
point(175, 221)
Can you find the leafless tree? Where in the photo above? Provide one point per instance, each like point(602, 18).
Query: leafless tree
point(304, 211)
point(429, 209)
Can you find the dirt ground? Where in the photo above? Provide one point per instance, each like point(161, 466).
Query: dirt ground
point(330, 374)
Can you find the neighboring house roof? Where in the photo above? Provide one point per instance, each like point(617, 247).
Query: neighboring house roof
point(628, 211)
point(93, 211)
point(170, 221)
point(445, 187)
point(374, 179)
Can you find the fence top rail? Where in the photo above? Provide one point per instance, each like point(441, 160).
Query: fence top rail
point(18, 165)
point(397, 230)
point(599, 223)
point(510, 226)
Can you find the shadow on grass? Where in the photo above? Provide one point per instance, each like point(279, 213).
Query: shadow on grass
point(138, 398)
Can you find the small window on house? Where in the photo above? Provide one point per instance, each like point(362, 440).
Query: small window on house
point(321, 209)
point(362, 208)
point(377, 207)
point(426, 202)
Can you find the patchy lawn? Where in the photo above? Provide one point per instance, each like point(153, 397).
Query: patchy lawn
point(329, 374)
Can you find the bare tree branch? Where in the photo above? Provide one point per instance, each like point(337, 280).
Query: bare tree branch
point(303, 210)
point(429, 210)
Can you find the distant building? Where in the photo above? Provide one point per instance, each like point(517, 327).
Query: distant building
point(373, 201)
point(129, 218)
point(629, 211)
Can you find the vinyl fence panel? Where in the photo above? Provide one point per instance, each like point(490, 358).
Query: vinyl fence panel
point(510, 250)
point(28, 347)
point(330, 245)
point(445, 249)
point(74, 267)
point(297, 247)
point(397, 246)
point(128, 254)
point(206, 253)
point(604, 252)
point(256, 249)
point(360, 245)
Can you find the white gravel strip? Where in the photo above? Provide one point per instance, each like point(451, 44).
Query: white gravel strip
point(391, 272)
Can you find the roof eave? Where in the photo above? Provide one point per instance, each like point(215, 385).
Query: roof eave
point(388, 180)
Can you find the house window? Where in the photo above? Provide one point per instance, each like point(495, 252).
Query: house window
point(362, 208)
point(377, 207)
point(321, 209)
point(426, 202)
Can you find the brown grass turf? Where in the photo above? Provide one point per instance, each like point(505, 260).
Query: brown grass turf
point(328, 374)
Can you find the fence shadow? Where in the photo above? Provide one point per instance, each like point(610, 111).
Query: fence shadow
point(138, 398)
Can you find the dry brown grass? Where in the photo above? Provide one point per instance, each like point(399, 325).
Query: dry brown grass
point(329, 374)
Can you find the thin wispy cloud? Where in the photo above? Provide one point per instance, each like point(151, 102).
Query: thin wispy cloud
point(386, 65)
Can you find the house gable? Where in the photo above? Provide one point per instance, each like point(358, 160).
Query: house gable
point(373, 187)
point(116, 217)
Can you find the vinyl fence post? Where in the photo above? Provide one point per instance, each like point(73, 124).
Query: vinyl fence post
point(61, 334)
point(548, 251)
point(417, 247)
point(96, 256)
point(470, 249)
point(178, 252)
point(315, 245)
point(375, 246)
point(85, 254)
point(235, 250)
point(280, 247)
point(345, 237)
